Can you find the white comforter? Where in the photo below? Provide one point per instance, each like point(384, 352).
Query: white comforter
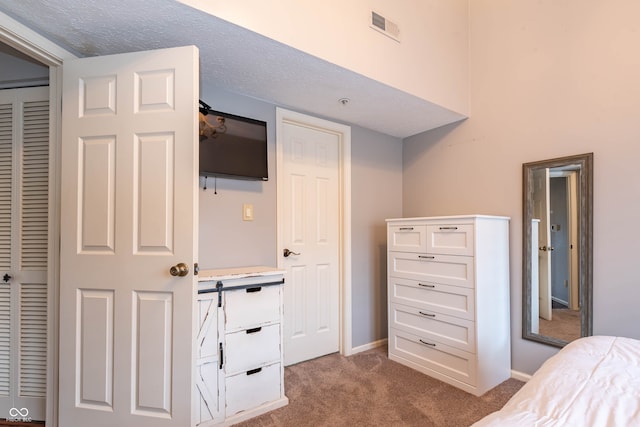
point(593, 381)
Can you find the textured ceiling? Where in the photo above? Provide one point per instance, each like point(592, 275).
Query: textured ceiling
point(232, 58)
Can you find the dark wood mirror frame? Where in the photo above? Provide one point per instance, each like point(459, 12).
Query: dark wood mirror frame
point(585, 244)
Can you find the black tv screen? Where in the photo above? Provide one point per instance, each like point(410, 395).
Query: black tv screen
point(232, 146)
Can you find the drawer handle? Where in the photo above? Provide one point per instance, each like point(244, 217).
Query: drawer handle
point(428, 343)
point(256, 289)
point(254, 330)
point(254, 371)
point(426, 285)
point(426, 256)
point(448, 228)
point(406, 228)
point(427, 314)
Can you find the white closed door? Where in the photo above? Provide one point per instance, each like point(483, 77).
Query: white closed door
point(310, 222)
point(24, 193)
point(128, 214)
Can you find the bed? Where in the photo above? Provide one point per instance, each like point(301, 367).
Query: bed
point(593, 381)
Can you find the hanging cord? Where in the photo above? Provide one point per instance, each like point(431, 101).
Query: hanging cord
point(215, 184)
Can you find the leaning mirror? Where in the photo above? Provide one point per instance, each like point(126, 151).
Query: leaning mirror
point(557, 252)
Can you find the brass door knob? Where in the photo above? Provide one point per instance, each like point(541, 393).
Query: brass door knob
point(181, 269)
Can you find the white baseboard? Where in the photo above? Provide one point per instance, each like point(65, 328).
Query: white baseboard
point(369, 346)
point(520, 376)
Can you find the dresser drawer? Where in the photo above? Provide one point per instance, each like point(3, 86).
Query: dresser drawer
point(449, 330)
point(248, 308)
point(407, 238)
point(452, 300)
point(445, 269)
point(252, 348)
point(429, 356)
point(450, 239)
point(253, 388)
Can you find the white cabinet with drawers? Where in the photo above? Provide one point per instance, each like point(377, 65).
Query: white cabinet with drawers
point(448, 297)
point(239, 365)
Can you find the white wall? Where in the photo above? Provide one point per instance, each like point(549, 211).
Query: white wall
point(548, 79)
point(430, 62)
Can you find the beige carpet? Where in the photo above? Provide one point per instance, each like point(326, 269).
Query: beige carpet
point(367, 389)
point(565, 325)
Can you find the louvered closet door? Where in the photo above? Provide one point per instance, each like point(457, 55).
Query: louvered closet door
point(24, 183)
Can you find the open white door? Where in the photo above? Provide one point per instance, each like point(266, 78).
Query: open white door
point(535, 271)
point(541, 212)
point(128, 209)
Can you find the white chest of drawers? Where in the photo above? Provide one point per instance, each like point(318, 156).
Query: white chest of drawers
point(239, 369)
point(448, 298)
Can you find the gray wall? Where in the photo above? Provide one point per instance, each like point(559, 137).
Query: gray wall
point(548, 79)
point(376, 162)
point(559, 239)
point(228, 241)
point(19, 70)
point(225, 239)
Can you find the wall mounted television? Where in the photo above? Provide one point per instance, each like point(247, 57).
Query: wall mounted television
point(232, 146)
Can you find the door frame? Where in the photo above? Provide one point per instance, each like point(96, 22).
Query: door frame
point(572, 190)
point(343, 132)
point(43, 50)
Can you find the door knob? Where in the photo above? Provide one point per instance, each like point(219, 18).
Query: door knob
point(179, 270)
point(287, 252)
point(546, 248)
point(6, 277)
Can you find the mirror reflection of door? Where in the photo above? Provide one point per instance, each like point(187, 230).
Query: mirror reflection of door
point(559, 254)
point(541, 211)
point(535, 269)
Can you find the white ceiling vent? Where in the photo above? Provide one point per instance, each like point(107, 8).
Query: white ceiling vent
point(386, 27)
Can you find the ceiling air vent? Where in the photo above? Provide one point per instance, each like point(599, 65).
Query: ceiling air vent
point(386, 27)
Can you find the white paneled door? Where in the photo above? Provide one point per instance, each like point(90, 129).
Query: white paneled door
point(311, 231)
point(24, 193)
point(541, 211)
point(128, 214)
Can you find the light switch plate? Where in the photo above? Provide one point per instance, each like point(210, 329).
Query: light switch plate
point(247, 212)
